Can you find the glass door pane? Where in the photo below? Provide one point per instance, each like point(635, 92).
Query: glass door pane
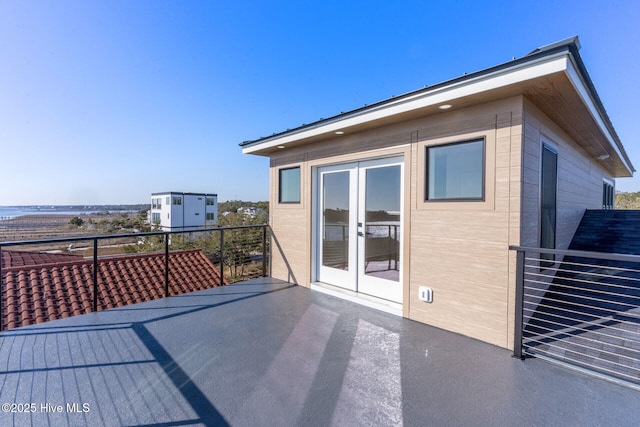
point(380, 201)
point(335, 220)
point(382, 223)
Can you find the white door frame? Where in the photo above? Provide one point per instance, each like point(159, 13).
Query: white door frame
point(342, 278)
point(367, 283)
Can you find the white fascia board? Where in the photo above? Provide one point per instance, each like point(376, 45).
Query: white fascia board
point(581, 88)
point(501, 78)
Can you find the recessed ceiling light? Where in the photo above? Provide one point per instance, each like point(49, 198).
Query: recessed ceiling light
point(445, 106)
point(280, 146)
point(339, 132)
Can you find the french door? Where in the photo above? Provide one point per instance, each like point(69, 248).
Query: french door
point(359, 227)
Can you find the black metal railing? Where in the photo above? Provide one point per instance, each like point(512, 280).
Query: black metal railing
point(239, 252)
point(580, 308)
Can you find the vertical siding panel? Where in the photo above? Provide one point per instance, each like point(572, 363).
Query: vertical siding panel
point(579, 179)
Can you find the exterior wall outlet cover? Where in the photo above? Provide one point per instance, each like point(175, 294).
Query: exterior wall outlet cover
point(425, 294)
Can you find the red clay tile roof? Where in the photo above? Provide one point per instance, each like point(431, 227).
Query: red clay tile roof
point(12, 258)
point(39, 293)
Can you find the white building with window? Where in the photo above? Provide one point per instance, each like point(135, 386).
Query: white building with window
point(173, 211)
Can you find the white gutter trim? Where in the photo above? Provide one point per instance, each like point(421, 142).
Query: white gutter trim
point(581, 89)
point(501, 78)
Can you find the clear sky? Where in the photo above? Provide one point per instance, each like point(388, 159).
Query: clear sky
point(108, 101)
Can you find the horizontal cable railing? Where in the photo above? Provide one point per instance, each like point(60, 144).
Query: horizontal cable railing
point(59, 277)
point(580, 308)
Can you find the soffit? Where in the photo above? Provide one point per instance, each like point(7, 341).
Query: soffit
point(558, 99)
point(556, 83)
point(466, 91)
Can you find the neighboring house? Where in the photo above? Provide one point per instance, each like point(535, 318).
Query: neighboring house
point(413, 202)
point(55, 287)
point(178, 211)
point(250, 211)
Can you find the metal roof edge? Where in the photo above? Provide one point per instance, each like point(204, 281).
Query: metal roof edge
point(593, 93)
point(569, 41)
point(548, 50)
point(570, 46)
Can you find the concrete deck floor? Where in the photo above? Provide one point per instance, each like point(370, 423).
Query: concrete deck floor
point(268, 353)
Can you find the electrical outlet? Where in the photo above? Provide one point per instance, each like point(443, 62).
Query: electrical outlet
point(425, 294)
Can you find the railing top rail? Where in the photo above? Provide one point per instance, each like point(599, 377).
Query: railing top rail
point(117, 236)
point(581, 254)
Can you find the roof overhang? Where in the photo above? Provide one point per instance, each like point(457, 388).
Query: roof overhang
point(553, 78)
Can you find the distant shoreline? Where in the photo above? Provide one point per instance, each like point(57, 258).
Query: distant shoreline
point(12, 212)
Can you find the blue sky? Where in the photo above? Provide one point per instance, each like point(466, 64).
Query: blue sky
point(109, 101)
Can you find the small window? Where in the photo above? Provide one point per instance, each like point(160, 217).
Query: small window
point(168, 201)
point(289, 191)
point(210, 201)
point(177, 200)
point(455, 171)
point(210, 216)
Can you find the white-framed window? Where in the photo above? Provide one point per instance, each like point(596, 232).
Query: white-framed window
point(455, 171)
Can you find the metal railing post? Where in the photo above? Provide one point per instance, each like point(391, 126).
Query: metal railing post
point(271, 245)
point(166, 265)
point(95, 274)
point(221, 257)
point(264, 251)
point(519, 304)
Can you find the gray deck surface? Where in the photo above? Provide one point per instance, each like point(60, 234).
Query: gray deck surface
point(268, 353)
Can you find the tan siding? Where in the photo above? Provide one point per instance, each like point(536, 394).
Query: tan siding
point(515, 202)
point(290, 250)
point(462, 252)
point(290, 228)
point(579, 179)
